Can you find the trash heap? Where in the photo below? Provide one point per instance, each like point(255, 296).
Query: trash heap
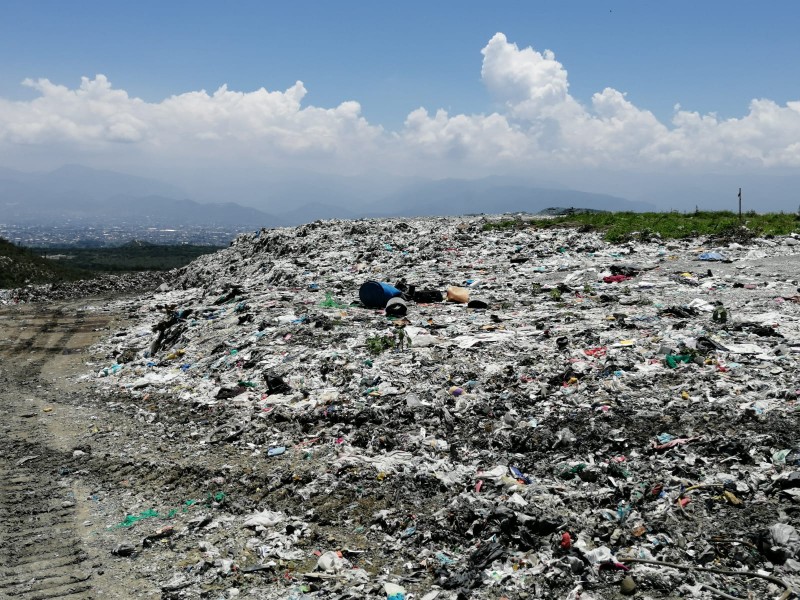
point(103, 284)
point(516, 413)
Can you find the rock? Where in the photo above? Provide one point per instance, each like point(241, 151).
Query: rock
point(628, 586)
point(124, 549)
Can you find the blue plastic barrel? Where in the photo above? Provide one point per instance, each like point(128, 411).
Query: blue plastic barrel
point(376, 294)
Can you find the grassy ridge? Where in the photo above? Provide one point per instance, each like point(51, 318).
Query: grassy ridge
point(623, 226)
point(20, 266)
point(130, 257)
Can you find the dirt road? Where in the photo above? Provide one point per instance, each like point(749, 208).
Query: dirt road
point(78, 468)
point(49, 546)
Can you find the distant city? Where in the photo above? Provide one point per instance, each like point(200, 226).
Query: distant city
point(87, 236)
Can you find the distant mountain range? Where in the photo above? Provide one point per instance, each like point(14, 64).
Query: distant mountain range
point(81, 195)
point(492, 195)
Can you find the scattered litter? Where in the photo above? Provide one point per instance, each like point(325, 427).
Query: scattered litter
point(473, 412)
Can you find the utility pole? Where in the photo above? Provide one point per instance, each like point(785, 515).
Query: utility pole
point(740, 206)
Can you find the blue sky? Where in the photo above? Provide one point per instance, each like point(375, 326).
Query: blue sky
point(411, 89)
point(394, 57)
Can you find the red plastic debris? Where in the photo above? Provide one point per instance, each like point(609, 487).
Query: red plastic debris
point(616, 278)
point(596, 352)
point(616, 566)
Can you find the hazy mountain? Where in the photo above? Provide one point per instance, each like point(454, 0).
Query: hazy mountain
point(82, 195)
point(314, 211)
point(102, 184)
point(492, 195)
point(161, 210)
point(77, 180)
point(287, 191)
point(495, 194)
point(706, 191)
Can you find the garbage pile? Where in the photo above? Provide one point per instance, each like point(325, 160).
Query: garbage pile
point(101, 285)
point(428, 408)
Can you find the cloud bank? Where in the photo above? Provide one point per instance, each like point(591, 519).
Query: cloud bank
point(537, 124)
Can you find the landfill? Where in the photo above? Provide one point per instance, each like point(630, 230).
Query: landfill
point(435, 408)
point(101, 284)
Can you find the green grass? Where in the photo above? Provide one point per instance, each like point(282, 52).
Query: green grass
point(130, 257)
point(505, 224)
point(622, 226)
point(19, 266)
point(378, 344)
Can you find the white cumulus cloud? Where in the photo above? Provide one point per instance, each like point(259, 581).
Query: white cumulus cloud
point(537, 123)
point(259, 125)
point(543, 124)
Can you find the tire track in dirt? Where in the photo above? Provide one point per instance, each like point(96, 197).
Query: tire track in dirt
point(42, 554)
point(75, 461)
point(47, 333)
